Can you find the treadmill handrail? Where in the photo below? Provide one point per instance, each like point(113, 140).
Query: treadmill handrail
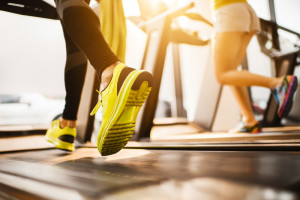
point(34, 8)
point(198, 17)
point(154, 23)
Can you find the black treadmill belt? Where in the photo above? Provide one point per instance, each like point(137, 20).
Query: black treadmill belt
point(234, 146)
point(148, 174)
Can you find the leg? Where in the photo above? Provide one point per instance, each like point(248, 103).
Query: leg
point(63, 131)
point(127, 89)
point(225, 59)
point(226, 62)
point(75, 70)
point(241, 93)
point(83, 27)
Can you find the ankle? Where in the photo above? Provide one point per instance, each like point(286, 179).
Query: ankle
point(67, 123)
point(107, 74)
point(276, 82)
point(250, 122)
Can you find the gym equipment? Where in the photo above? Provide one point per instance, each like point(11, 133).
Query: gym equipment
point(35, 8)
point(283, 63)
point(150, 174)
point(160, 35)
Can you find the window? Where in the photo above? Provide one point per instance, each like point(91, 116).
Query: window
point(287, 14)
point(261, 8)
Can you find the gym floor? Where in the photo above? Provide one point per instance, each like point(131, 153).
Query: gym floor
point(150, 174)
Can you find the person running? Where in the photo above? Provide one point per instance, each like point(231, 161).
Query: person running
point(235, 24)
point(125, 89)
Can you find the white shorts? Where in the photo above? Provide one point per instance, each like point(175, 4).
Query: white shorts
point(236, 17)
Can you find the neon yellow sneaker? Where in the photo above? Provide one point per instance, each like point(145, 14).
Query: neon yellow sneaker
point(121, 102)
point(61, 138)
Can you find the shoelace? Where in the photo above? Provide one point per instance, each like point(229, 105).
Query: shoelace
point(97, 106)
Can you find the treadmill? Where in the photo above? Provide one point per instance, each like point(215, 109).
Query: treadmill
point(148, 170)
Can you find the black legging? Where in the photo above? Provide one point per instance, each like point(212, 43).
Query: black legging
point(84, 40)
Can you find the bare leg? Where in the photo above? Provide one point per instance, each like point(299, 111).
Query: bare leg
point(241, 93)
point(227, 48)
point(230, 49)
point(242, 97)
point(68, 123)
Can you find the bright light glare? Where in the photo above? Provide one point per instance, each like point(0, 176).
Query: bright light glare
point(170, 2)
point(131, 8)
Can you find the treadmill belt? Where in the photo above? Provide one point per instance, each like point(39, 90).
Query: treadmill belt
point(149, 174)
point(234, 146)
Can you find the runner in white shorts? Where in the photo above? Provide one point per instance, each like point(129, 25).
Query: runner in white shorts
point(235, 23)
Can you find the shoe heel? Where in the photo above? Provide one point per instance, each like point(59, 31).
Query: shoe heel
point(118, 137)
point(138, 97)
point(121, 132)
point(133, 93)
point(142, 77)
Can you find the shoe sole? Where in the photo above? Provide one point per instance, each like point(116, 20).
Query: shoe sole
point(132, 95)
point(241, 132)
point(288, 101)
point(60, 144)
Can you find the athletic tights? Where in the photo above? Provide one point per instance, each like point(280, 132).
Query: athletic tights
point(84, 40)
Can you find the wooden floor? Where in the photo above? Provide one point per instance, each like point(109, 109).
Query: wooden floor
point(150, 174)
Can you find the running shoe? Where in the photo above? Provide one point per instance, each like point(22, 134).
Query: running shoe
point(121, 101)
point(61, 138)
point(243, 128)
point(284, 95)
